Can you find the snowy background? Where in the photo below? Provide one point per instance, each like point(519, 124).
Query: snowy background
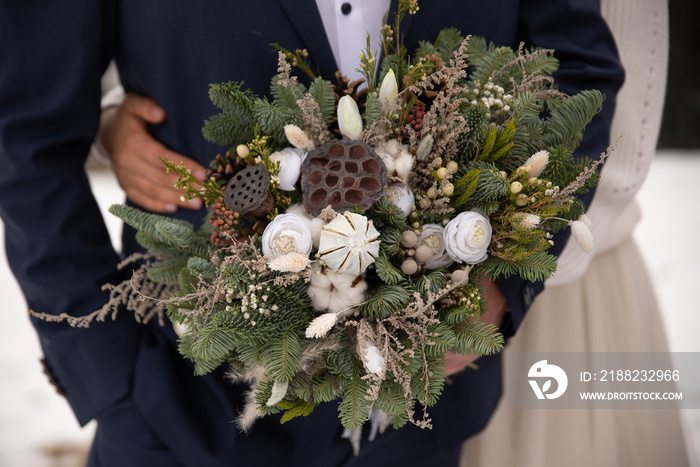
point(37, 428)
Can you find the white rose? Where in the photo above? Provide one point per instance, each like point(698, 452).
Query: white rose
point(467, 237)
point(290, 160)
point(432, 237)
point(286, 234)
point(402, 196)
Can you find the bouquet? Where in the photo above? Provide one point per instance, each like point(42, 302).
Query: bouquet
point(351, 225)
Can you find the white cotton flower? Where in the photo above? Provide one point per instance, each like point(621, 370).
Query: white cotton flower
point(404, 164)
point(467, 237)
point(586, 220)
point(432, 237)
point(334, 292)
point(372, 359)
point(349, 118)
point(279, 391)
point(538, 161)
point(320, 325)
point(290, 160)
point(396, 157)
point(582, 234)
point(298, 138)
point(402, 196)
point(291, 262)
point(287, 233)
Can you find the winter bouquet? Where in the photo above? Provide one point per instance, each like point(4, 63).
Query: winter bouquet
point(352, 224)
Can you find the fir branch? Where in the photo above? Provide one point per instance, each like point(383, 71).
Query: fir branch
point(283, 357)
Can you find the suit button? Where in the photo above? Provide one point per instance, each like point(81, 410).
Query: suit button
point(346, 8)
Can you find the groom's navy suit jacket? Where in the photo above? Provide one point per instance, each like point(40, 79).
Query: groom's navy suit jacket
point(52, 55)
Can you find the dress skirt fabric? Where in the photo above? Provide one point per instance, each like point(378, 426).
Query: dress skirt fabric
point(612, 308)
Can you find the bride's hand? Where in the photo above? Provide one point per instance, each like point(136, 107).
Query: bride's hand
point(134, 155)
point(495, 309)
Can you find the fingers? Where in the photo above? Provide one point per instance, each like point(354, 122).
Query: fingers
point(143, 107)
point(136, 155)
point(454, 363)
point(148, 185)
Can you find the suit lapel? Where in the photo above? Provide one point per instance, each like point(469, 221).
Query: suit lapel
point(306, 20)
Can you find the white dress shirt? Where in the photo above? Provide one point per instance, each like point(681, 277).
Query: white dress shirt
point(347, 23)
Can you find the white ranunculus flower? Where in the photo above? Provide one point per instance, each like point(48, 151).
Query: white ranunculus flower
point(286, 234)
point(402, 196)
point(290, 160)
point(432, 237)
point(313, 223)
point(467, 237)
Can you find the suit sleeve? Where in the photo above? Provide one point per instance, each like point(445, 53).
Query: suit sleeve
point(588, 57)
point(52, 55)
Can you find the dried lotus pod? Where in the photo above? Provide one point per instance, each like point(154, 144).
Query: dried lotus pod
point(248, 192)
point(342, 174)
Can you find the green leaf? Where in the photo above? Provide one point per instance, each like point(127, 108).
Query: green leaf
point(467, 186)
point(293, 409)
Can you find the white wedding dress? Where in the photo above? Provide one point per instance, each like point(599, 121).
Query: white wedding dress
point(603, 302)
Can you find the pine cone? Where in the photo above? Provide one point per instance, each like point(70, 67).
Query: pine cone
point(226, 167)
point(427, 97)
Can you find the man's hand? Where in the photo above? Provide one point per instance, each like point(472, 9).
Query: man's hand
point(134, 154)
point(495, 309)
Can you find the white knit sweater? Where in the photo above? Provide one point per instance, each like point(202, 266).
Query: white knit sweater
point(641, 32)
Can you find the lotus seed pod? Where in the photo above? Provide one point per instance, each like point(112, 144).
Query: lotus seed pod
point(409, 239)
point(342, 174)
point(409, 267)
point(249, 192)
